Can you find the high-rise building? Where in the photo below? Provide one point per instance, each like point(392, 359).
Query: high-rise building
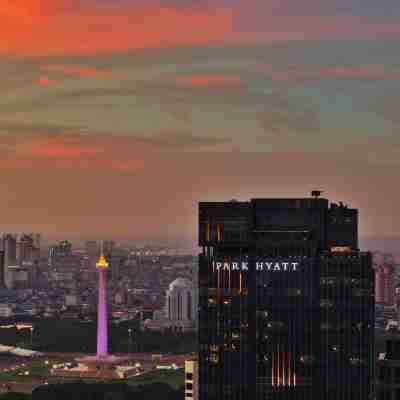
point(286, 302)
point(108, 247)
point(92, 252)
point(28, 246)
point(2, 269)
point(384, 284)
point(10, 258)
point(20, 259)
point(61, 249)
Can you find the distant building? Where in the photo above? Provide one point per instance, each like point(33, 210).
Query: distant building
point(92, 252)
point(6, 310)
point(63, 280)
point(19, 277)
point(72, 300)
point(2, 269)
point(28, 247)
point(181, 304)
point(108, 247)
point(191, 379)
point(62, 249)
point(180, 310)
point(384, 284)
point(121, 296)
point(70, 262)
point(10, 258)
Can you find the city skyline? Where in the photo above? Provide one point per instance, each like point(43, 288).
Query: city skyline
point(159, 113)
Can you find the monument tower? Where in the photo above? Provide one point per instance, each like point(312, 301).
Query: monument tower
point(102, 333)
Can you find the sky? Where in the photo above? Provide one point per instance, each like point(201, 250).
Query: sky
point(118, 117)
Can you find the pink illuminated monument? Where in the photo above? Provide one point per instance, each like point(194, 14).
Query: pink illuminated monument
point(102, 365)
point(102, 333)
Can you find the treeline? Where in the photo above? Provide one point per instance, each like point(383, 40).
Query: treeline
point(76, 336)
point(83, 391)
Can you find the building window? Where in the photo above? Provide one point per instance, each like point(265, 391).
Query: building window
point(188, 394)
point(189, 376)
point(325, 303)
point(294, 292)
point(329, 281)
point(189, 386)
point(326, 327)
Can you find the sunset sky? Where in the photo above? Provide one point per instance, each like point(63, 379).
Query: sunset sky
point(118, 116)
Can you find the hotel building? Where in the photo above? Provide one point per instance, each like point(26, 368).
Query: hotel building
point(286, 302)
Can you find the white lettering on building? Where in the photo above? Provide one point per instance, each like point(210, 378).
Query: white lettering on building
point(259, 266)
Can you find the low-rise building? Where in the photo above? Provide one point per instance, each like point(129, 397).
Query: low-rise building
point(191, 379)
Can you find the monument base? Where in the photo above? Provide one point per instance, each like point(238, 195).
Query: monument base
point(94, 367)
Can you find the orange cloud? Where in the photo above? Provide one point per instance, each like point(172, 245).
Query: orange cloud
point(127, 166)
point(209, 81)
point(78, 70)
point(39, 28)
point(297, 73)
point(63, 150)
point(378, 72)
point(26, 11)
point(43, 81)
point(54, 27)
point(73, 152)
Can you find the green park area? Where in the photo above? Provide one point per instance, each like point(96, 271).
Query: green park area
point(26, 371)
point(166, 385)
point(175, 379)
point(79, 337)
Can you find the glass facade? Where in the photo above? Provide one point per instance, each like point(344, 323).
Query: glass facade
point(286, 302)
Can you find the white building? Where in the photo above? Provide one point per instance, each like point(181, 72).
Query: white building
point(6, 310)
point(181, 304)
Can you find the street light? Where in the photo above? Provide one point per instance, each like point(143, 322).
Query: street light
point(130, 340)
point(31, 329)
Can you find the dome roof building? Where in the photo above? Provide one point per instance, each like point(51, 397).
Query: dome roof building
point(181, 303)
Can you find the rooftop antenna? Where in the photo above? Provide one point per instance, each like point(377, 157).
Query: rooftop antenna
point(316, 193)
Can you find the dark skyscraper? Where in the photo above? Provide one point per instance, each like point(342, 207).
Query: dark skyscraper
point(286, 302)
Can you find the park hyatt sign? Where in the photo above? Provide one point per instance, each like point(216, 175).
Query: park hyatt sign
point(259, 266)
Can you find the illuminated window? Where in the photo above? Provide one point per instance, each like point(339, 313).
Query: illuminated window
point(275, 325)
point(214, 358)
point(294, 292)
point(341, 249)
point(330, 281)
point(208, 232)
point(307, 359)
point(355, 360)
point(325, 303)
point(326, 327)
point(362, 292)
point(219, 233)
